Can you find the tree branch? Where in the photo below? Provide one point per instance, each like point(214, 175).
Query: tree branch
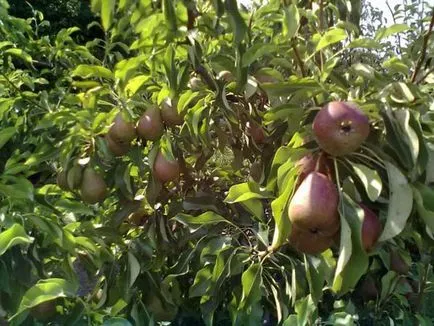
point(424, 47)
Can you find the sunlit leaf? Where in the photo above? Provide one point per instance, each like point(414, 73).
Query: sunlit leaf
point(370, 180)
point(400, 202)
point(330, 37)
point(13, 236)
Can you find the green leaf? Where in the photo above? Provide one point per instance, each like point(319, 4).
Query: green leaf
point(424, 200)
point(117, 321)
point(46, 290)
point(280, 215)
point(308, 85)
point(13, 236)
point(384, 32)
point(331, 37)
point(206, 218)
point(291, 21)
point(20, 54)
point(257, 51)
point(370, 180)
point(88, 71)
point(246, 191)
point(395, 64)
point(107, 10)
point(315, 273)
point(135, 83)
point(134, 268)
point(201, 283)
point(400, 202)
point(365, 43)
point(237, 22)
point(364, 70)
point(6, 134)
point(169, 14)
point(251, 281)
point(353, 260)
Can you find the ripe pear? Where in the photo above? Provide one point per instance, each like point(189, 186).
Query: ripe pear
point(165, 170)
point(340, 128)
point(150, 125)
point(398, 264)
point(368, 289)
point(93, 187)
point(314, 206)
point(371, 228)
point(255, 131)
point(309, 242)
point(311, 162)
point(122, 131)
point(170, 114)
point(44, 311)
point(118, 149)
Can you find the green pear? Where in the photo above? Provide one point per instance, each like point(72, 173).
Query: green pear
point(93, 187)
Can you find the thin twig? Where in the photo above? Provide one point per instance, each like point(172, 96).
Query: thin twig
point(424, 47)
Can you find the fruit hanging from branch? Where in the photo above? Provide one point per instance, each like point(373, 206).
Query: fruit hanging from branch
point(150, 125)
point(255, 131)
point(122, 131)
point(311, 162)
point(340, 128)
point(116, 148)
point(93, 187)
point(44, 311)
point(164, 169)
point(170, 114)
point(309, 242)
point(371, 228)
point(314, 206)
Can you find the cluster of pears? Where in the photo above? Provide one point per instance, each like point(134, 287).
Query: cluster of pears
point(149, 127)
point(339, 128)
point(91, 184)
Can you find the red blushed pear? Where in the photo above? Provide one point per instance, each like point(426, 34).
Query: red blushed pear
point(371, 228)
point(165, 170)
point(170, 114)
point(309, 242)
point(314, 162)
point(398, 264)
point(340, 128)
point(116, 148)
point(150, 125)
point(255, 131)
point(314, 206)
point(122, 131)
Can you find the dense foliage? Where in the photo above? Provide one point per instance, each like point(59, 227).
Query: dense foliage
point(146, 175)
